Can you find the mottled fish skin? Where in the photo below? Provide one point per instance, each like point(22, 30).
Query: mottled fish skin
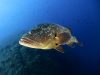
point(45, 32)
point(42, 34)
point(47, 36)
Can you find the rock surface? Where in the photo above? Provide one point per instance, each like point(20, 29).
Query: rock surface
point(19, 60)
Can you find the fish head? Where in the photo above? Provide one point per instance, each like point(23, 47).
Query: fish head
point(28, 40)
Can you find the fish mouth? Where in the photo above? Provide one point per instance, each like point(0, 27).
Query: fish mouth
point(25, 40)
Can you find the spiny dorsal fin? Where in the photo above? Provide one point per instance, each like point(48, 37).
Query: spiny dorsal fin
point(60, 49)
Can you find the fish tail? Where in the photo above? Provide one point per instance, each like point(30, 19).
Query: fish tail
point(72, 41)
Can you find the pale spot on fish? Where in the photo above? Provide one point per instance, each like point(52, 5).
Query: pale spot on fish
point(29, 32)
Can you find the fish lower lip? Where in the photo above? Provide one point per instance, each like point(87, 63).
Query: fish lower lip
point(25, 40)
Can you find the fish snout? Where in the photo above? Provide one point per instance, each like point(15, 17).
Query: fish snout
point(25, 40)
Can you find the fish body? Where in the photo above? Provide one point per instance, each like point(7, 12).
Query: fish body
point(48, 36)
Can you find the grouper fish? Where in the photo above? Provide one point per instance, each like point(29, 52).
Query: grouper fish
point(48, 36)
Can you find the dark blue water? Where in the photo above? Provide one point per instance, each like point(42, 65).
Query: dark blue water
point(82, 16)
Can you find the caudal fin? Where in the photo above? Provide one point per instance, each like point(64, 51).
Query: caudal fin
point(72, 41)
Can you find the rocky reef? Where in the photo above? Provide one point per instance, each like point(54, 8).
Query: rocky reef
point(19, 60)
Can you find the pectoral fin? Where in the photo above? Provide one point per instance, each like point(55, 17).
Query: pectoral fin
point(60, 49)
